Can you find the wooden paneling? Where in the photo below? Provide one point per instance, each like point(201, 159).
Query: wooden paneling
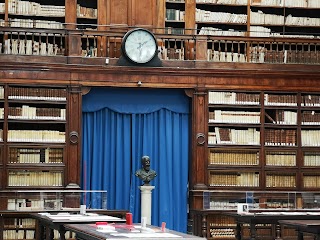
point(159, 17)
point(102, 13)
point(118, 12)
point(73, 138)
point(190, 15)
point(71, 13)
point(143, 12)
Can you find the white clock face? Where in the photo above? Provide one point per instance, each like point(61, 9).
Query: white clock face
point(140, 46)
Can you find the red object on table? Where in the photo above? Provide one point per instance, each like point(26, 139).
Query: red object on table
point(129, 218)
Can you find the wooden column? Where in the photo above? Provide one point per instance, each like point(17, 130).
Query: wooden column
point(199, 140)
point(73, 137)
point(73, 42)
point(160, 16)
point(190, 17)
point(102, 22)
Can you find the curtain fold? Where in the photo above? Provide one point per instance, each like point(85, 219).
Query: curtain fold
point(113, 144)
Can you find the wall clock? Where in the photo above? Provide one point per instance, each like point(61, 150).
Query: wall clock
point(139, 46)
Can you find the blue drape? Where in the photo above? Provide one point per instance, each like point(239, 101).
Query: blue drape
point(122, 125)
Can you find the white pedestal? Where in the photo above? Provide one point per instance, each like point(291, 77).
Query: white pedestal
point(146, 202)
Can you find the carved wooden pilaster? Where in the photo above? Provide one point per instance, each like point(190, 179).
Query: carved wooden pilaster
point(73, 136)
point(199, 140)
point(204, 225)
point(201, 46)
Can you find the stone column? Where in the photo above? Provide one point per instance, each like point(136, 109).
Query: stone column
point(146, 196)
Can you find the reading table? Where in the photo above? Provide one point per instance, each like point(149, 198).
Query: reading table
point(304, 226)
point(48, 222)
point(123, 231)
point(268, 217)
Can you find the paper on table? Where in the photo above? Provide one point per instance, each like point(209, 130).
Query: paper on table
point(146, 235)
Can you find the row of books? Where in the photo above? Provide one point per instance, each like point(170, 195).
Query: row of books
point(171, 30)
point(265, 55)
point(278, 204)
point(16, 222)
point(30, 47)
point(301, 21)
point(220, 17)
point(86, 12)
point(36, 136)
point(280, 137)
point(267, 19)
point(280, 99)
point(311, 159)
point(262, 18)
point(35, 178)
point(281, 159)
point(310, 100)
point(34, 204)
point(171, 53)
point(27, 112)
point(250, 136)
point(251, 158)
point(311, 181)
point(280, 116)
point(30, 234)
point(2, 7)
point(219, 32)
point(35, 23)
point(226, 233)
point(18, 234)
point(273, 137)
point(310, 118)
point(234, 98)
point(222, 220)
point(175, 14)
point(243, 98)
point(221, 116)
point(258, 18)
point(243, 179)
point(43, 94)
point(220, 56)
point(310, 138)
point(33, 8)
point(246, 158)
point(222, 2)
point(273, 3)
point(287, 3)
point(278, 180)
point(30, 155)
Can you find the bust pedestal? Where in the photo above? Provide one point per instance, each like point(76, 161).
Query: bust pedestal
point(146, 196)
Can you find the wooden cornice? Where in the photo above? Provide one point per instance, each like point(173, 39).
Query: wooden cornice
point(173, 74)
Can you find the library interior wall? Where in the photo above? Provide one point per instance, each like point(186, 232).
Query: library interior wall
point(122, 125)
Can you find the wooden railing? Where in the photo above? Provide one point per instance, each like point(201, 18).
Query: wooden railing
point(94, 43)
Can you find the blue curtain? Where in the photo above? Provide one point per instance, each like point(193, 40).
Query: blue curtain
point(122, 125)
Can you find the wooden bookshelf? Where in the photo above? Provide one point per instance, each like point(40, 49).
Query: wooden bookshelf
point(259, 141)
point(34, 139)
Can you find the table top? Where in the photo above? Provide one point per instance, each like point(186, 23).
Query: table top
point(75, 218)
point(302, 223)
point(273, 217)
point(123, 231)
point(309, 226)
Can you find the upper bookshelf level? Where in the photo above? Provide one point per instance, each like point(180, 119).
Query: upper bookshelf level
point(48, 14)
point(207, 30)
point(258, 18)
point(175, 16)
